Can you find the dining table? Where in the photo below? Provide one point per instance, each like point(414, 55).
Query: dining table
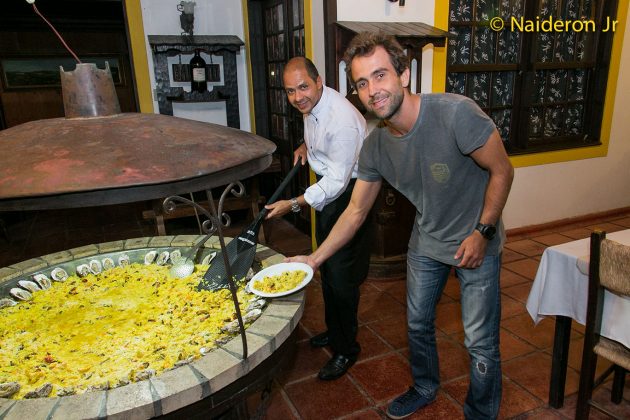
point(560, 289)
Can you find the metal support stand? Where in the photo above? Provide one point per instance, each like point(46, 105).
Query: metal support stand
point(217, 219)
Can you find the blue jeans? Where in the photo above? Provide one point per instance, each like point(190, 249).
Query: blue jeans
point(481, 312)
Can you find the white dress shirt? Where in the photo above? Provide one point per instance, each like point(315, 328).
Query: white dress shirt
point(334, 131)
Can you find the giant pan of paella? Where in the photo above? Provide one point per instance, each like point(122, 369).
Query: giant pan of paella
point(104, 331)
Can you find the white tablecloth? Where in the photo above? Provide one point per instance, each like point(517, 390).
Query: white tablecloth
point(561, 288)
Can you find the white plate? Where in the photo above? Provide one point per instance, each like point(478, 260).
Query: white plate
point(274, 270)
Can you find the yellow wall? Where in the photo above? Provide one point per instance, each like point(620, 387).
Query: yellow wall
point(308, 41)
point(137, 41)
point(439, 80)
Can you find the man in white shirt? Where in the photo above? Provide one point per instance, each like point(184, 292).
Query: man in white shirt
point(333, 135)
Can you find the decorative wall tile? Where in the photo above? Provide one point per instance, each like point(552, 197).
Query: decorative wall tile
point(502, 119)
point(477, 87)
point(456, 83)
point(484, 41)
point(502, 88)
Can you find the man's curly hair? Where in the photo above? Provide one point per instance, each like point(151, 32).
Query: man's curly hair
point(364, 43)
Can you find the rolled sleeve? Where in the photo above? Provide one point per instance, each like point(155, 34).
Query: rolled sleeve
point(343, 146)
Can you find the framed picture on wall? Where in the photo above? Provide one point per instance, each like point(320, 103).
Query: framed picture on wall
point(37, 72)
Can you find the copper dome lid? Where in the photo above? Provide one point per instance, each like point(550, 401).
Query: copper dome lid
point(96, 155)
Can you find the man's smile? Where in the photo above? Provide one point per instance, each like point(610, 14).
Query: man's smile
point(378, 102)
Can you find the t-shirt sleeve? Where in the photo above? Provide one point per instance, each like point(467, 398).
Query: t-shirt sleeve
point(472, 126)
point(367, 160)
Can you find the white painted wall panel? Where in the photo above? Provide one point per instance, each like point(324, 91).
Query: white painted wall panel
point(212, 17)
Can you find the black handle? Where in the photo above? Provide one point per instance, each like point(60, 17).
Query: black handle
point(284, 183)
point(280, 189)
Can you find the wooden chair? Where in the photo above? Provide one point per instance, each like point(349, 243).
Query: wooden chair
point(609, 269)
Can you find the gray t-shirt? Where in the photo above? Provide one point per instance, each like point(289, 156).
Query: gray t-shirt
point(431, 166)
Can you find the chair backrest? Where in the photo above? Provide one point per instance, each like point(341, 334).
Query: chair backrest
point(609, 269)
point(614, 267)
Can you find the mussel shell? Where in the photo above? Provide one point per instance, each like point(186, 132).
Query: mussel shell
point(231, 327)
point(222, 341)
point(95, 266)
point(108, 263)
point(65, 391)
point(8, 388)
point(144, 374)
point(83, 270)
point(123, 260)
point(208, 258)
point(59, 274)
point(42, 281)
point(162, 258)
point(104, 386)
point(41, 392)
point(31, 286)
point(176, 255)
point(150, 257)
point(186, 361)
point(5, 302)
point(252, 315)
point(256, 304)
point(20, 294)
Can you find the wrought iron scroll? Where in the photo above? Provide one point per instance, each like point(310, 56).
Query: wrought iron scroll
point(215, 223)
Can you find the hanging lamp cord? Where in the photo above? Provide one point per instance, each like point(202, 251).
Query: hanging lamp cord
point(54, 30)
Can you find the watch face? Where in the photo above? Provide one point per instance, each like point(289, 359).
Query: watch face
point(487, 231)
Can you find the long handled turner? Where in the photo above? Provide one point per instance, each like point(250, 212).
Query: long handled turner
point(242, 249)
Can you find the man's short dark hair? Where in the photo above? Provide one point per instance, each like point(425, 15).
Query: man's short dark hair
point(311, 70)
point(364, 43)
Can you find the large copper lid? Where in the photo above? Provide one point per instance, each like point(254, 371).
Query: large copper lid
point(83, 161)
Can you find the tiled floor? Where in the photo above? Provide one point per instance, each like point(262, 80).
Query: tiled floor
point(382, 371)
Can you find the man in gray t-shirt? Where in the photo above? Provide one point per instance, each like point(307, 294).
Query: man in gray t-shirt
point(431, 166)
point(446, 156)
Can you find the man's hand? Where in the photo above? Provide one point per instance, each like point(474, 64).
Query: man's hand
point(472, 251)
point(306, 259)
point(279, 208)
point(300, 154)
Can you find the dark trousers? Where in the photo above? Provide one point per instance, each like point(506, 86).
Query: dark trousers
point(342, 274)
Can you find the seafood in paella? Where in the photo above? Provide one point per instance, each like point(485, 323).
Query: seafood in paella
point(99, 331)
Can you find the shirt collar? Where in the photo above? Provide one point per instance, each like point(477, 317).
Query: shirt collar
point(318, 109)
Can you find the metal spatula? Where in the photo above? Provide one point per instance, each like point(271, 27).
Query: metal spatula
point(186, 265)
point(242, 249)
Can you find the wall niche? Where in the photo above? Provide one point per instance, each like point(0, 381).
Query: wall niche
point(221, 75)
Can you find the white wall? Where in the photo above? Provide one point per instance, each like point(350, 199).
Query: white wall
point(561, 190)
point(212, 17)
point(319, 46)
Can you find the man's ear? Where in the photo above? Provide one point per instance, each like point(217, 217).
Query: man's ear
point(405, 77)
point(319, 82)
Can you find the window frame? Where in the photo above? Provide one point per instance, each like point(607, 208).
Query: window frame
point(519, 141)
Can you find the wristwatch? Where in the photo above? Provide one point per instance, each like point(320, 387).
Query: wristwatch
point(295, 206)
point(487, 231)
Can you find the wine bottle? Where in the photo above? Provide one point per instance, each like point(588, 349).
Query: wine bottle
point(199, 78)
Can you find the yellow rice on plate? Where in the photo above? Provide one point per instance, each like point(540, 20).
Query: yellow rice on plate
point(287, 280)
